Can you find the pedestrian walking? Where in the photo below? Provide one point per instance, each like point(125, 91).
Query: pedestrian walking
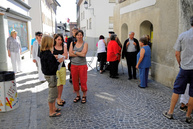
point(143, 62)
point(130, 50)
point(79, 66)
point(60, 50)
point(14, 50)
point(113, 56)
point(49, 66)
point(102, 53)
point(184, 57)
point(73, 41)
point(36, 55)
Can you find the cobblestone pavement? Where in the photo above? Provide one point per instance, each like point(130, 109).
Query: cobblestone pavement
point(111, 104)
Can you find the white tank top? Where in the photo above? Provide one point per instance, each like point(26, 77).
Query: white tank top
point(101, 46)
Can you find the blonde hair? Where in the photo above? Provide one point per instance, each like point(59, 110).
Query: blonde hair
point(13, 32)
point(47, 43)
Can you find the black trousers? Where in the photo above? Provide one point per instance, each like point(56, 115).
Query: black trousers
point(102, 57)
point(131, 58)
point(113, 68)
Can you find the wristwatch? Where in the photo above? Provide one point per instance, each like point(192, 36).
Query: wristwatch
point(75, 52)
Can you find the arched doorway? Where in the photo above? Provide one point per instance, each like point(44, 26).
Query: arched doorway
point(124, 33)
point(146, 28)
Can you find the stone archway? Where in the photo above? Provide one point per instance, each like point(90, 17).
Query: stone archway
point(124, 33)
point(146, 28)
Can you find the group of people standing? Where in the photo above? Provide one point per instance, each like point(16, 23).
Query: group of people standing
point(49, 54)
point(136, 58)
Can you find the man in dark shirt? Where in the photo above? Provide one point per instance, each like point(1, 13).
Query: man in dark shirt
point(130, 50)
point(73, 40)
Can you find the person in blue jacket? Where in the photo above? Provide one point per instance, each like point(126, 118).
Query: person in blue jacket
point(143, 61)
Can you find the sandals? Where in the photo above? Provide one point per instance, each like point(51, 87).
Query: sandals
point(55, 115)
point(83, 100)
point(61, 103)
point(77, 99)
point(58, 110)
point(169, 116)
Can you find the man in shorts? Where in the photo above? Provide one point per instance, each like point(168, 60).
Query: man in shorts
point(184, 56)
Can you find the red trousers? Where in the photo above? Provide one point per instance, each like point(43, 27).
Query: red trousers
point(79, 72)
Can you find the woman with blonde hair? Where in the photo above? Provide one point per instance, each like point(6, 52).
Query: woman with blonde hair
point(49, 67)
point(14, 50)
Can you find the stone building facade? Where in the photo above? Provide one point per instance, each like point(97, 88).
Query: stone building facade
point(95, 20)
point(43, 14)
point(163, 20)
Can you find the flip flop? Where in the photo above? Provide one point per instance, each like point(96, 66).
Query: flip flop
point(60, 104)
point(55, 115)
point(58, 110)
point(63, 101)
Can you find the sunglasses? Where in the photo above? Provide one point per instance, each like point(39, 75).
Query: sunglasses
point(40, 35)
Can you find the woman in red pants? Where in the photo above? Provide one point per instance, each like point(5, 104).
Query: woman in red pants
point(79, 66)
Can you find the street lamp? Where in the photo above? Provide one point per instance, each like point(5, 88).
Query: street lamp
point(86, 6)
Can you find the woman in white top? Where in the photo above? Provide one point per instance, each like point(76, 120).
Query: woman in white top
point(102, 53)
point(36, 55)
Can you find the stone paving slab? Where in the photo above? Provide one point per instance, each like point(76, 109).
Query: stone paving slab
point(111, 104)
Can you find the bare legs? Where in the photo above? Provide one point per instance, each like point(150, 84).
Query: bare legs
point(174, 100)
point(59, 100)
point(52, 109)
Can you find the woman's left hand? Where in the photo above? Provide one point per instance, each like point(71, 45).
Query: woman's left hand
point(137, 66)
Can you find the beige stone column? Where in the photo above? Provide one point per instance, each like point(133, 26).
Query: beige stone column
point(3, 44)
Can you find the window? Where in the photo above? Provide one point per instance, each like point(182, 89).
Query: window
point(82, 15)
point(90, 23)
point(22, 32)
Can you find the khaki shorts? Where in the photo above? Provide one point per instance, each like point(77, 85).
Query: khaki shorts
point(53, 91)
point(61, 76)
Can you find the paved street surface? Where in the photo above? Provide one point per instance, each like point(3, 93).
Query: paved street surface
point(111, 104)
